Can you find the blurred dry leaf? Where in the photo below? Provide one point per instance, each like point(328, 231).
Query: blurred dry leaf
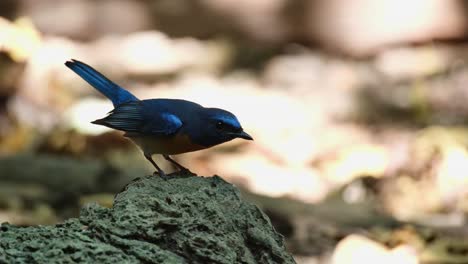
point(356, 161)
point(20, 39)
point(153, 52)
point(15, 138)
point(414, 62)
point(261, 175)
point(451, 172)
point(356, 249)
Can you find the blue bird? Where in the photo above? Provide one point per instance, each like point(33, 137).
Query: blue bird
point(161, 126)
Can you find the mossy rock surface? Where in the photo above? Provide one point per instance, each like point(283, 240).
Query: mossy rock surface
point(183, 219)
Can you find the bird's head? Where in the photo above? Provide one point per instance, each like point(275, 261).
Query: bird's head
point(220, 126)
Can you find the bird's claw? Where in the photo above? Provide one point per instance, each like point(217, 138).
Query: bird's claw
point(184, 170)
point(161, 174)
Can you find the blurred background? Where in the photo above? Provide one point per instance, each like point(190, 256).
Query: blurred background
point(359, 113)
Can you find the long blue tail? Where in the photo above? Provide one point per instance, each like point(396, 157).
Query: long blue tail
point(115, 93)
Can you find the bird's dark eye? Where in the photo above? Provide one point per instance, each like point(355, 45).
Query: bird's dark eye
point(219, 125)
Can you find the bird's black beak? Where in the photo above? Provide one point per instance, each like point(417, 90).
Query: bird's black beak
point(244, 135)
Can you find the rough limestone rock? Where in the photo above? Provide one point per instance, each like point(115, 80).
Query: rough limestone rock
point(183, 219)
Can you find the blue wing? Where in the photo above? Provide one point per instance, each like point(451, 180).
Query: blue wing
point(115, 93)
point(136, 117)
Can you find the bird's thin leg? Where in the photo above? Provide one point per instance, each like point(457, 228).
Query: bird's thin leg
point(180, 167)
point(159, 170)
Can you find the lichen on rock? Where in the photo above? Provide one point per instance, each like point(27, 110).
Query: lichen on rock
point(182, 219)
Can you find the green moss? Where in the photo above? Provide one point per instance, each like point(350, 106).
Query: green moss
point(179, 220)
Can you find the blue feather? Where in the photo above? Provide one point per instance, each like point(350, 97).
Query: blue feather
point(232, 121)
point(115, 93)
point(225, 117)
point(166, 124)
point(135, 117)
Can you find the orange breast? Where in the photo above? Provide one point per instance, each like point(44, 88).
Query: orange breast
point(166, 145)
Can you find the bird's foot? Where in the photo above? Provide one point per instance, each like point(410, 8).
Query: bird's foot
point(161, 174)
point(181, 168)
point(184, 170)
